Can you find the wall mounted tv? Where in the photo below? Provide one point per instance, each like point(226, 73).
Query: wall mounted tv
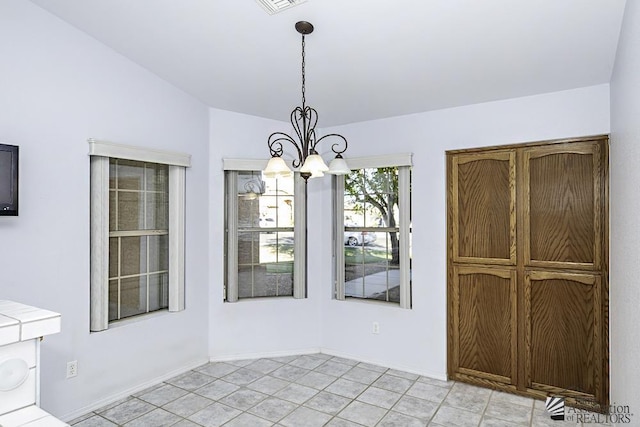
point(8, 180)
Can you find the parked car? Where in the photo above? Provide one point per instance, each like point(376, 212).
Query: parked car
point(267, 222)
point(358, 238)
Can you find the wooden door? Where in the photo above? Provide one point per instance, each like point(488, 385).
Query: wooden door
point(527, 269)
point(563, 239)
point(483, 332)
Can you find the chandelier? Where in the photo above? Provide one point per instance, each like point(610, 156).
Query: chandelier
point(304, 120)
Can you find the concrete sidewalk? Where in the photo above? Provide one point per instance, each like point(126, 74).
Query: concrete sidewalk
point(372, 284)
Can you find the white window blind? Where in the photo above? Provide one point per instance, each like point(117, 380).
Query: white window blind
point(367, 239)
point(105, 158)
point(264, 233)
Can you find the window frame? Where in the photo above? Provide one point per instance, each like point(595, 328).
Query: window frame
point(404, 164)
point(100, 153)
point(231, 229)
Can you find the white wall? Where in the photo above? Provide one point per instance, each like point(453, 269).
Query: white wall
point(625, 206)
point(251, 327)
point(59, 87)
point(415, 339)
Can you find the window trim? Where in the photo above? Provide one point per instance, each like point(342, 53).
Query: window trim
point(404, 163)
point(141, 154)
point(100, 153)
point(231, 219)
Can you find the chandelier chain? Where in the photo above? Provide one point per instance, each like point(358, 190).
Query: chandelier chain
point(304, 100)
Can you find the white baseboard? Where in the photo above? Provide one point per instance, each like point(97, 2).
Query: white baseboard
point(434, 375)
point(330, 352)
point(108, 400)
point(240, 356)
point(262, 355)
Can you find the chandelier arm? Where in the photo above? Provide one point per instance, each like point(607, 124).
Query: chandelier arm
point(312, 141)
point(337, 144)
point(310, 127)
point(312, 117)
point(295, 122)
point(275, 146)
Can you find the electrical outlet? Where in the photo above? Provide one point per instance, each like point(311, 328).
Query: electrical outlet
point(375, 328)
point(72, 369)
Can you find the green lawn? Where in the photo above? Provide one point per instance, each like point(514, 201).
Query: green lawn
point(279, 267)
point(352, 256)
point(355, 255)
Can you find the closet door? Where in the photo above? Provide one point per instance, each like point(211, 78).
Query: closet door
point(482, 282)
point(527, 269)
point(564, 264)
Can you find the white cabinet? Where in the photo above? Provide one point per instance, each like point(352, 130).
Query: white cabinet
point(21, 328)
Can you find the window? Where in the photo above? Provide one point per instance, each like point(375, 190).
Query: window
point(264, 233)
point(137, 232)
point(373, 230)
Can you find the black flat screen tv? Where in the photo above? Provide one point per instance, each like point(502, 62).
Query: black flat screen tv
point(8, 180)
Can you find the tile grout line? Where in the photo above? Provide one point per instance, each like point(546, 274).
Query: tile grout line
point(362, 365)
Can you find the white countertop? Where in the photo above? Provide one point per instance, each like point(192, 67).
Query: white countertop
point(21, 322)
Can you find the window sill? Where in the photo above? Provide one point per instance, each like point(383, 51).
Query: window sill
point(372, 301)
point(116, 324)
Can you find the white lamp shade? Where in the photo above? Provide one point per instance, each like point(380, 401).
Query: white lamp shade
point(338, 166)
point(316, 174)
point(249, 196)
point(314, 164)
point(277, 168)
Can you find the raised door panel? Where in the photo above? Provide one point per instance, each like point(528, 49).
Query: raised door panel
point(562, 198)
point(484, 323)
point(483, 208)
point(563, 329)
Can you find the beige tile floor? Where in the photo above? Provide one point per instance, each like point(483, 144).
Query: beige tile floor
point(316, 390)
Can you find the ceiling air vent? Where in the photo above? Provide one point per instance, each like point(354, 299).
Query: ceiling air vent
point(275, 6)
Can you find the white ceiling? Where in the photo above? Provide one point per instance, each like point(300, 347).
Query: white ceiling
point(366, 59)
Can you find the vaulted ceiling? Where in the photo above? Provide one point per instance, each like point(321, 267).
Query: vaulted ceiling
point(366, 59)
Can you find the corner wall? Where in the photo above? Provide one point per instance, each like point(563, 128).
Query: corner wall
point(59, 87)
point(262, 326)
point(625, 206)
